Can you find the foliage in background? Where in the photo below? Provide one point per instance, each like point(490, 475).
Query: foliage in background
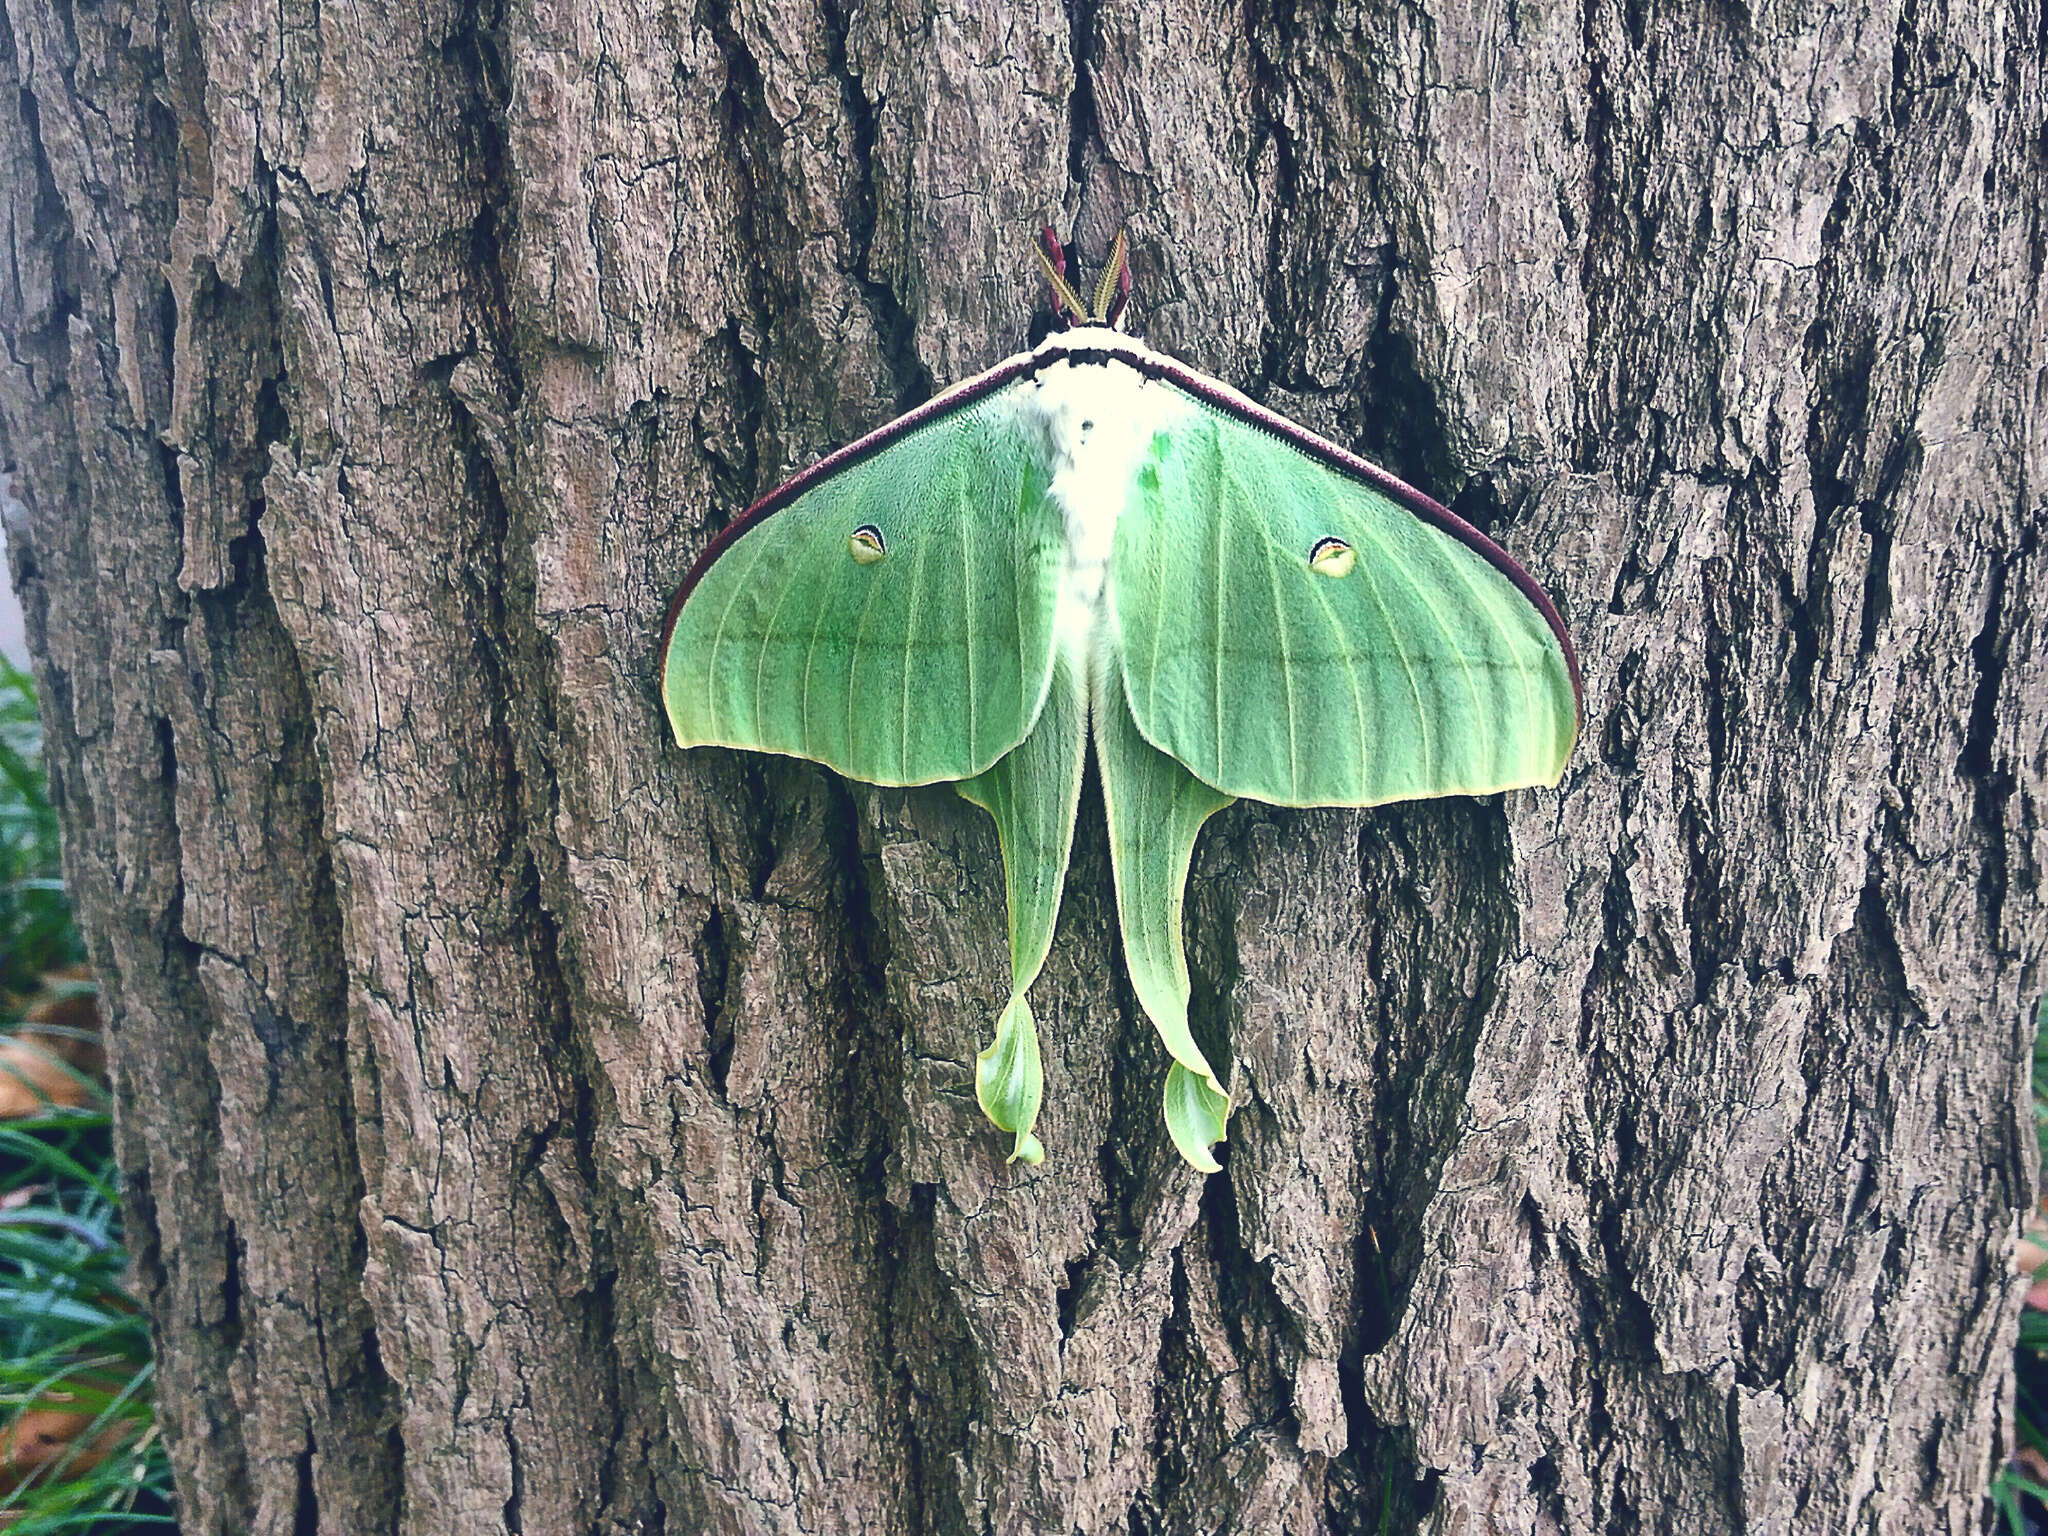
point(36, 935)
point(79, 1450)
point(2020, 1490)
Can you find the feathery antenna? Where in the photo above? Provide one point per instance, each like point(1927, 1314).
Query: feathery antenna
point(1112, 288)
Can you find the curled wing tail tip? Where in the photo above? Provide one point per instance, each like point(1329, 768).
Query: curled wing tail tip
point(1009, 1084)
point(1187, 1055)
point(1197, 1114)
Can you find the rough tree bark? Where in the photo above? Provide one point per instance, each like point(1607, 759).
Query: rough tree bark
point(528, 1127)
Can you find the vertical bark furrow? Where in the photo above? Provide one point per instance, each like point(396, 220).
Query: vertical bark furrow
point(232, 1103)
point(480, 1257)
point(1780, 792)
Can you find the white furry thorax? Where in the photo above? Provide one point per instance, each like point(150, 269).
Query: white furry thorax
point(1098, 415)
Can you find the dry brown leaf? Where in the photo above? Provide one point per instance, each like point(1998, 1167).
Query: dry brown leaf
point(55, 1056)
point(53, 1438)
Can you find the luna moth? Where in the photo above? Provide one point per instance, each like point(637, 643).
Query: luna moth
point(1094, 541)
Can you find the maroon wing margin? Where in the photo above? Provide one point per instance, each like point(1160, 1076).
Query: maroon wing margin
point(939, 406)
point(1428, 508)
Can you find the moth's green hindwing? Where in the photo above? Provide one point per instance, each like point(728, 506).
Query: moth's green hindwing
point(1034, 794)
point(1421, 669)
point(924, 666)
point(1155, 809)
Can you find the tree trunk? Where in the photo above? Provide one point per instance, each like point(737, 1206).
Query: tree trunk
point(530, 1127)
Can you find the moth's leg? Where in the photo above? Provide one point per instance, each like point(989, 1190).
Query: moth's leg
point(1033, 794)
point(1155, 809)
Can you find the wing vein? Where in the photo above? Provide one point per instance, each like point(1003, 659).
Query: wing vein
point(1216, 648)
point(1018, 557)
point(1488, 604)
point(965, 543)
point(718, 638)
point(1286, 670)
point(810, 657)
point(860, 631)
point(1346, 650)
point(1486, 725)
point(1408, 669)
point(909, 644)
point(767, 638)
point(1157, 572)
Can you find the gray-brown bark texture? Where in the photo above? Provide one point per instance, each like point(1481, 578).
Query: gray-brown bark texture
point(529, 1127)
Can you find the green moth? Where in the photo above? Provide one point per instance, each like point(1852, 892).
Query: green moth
point(1092, 540)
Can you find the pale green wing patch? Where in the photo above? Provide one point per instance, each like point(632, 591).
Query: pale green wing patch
point(1298, 636)
point(892, 619)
